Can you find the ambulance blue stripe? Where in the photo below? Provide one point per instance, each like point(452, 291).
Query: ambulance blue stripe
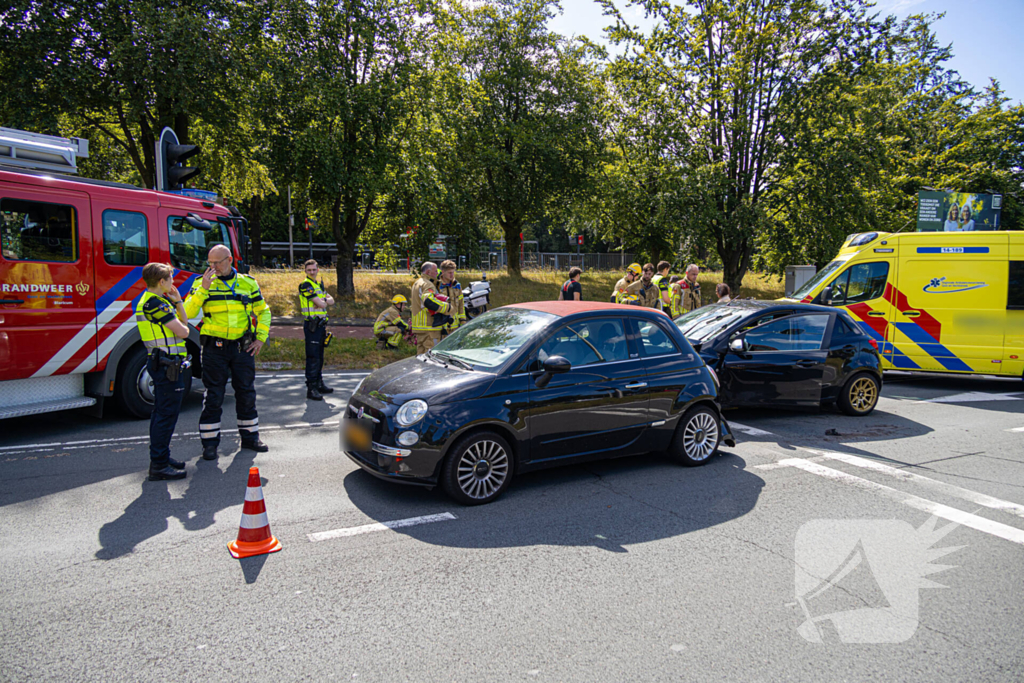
point(946, 358)
point(115, 292)
point(888, 349)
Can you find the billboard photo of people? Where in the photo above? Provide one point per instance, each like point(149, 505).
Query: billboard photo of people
point(957, 211)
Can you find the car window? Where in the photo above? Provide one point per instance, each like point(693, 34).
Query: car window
point(821, 275)
point(1015, 288)
point(489, 340)
point(705, 322)
point(795, 333)
point(654, 341)
point(190, 246)
point(862, 282)
point(756, 320)
point(36, 231)
point(124, 238)
point(602, 340)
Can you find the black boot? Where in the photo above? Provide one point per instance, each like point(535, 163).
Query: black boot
point(313, 394)
point(256, 445)
point(176, 464)
point(165, 472)
point(324, 389)
point(210, 451)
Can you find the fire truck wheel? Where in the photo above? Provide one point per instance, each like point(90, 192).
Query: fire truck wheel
point(134, 388)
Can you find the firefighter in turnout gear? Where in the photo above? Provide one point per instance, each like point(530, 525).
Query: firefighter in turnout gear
point(314, 301)
point(163, 327)
point(389, 326)
point(425, 305)
point(646, 292)
point(632, 273)
point(231, 340)
point(690, 288)
point(449, 287)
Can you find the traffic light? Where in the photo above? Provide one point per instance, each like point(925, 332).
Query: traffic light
point(171, 173)
point(579, 240)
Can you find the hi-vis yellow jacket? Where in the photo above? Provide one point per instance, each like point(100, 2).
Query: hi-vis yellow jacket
point(424, 304)
point(229, 306)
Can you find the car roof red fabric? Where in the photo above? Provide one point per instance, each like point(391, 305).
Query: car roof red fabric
point(563, 308)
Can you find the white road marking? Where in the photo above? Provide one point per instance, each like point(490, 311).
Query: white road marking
point(379, 526)
point(746, 429)
point(98, 443)
point(962, 518)
point(1016, 429)
point(975, 397)
point(941, 486)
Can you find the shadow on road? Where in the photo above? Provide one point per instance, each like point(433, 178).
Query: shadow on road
point(210, 490)
point(609, 505)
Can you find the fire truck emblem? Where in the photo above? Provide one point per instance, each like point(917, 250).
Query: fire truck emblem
point(82, 289)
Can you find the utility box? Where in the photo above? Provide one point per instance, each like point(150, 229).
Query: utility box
point(797, 276)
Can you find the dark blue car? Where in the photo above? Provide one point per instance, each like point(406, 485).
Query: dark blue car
point(530, 386)
point(786, 355)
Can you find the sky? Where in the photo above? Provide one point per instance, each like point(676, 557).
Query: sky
point(985, 34)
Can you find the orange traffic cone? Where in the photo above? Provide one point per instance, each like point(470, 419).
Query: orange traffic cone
point(254, 536)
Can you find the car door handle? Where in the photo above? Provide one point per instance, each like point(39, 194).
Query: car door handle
point(876, 314)
point(911, 314)
point(806, 363)
point(638, 385)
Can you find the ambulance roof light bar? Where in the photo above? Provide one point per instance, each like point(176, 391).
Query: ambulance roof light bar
point(39, 152)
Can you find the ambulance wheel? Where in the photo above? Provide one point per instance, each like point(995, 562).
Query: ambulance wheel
point(859, 395)
point(134, 387)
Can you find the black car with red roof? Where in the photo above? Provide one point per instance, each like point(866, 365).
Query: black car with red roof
point(530, 386)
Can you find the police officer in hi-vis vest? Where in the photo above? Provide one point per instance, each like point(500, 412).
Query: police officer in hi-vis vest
point(424, 305)
point(231, 340)
point(163, 326)
point(314, 300)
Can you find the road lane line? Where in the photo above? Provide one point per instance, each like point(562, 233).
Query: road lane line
point(1016, 429)
point(948, 489)
point(962, 518)
point(746, 429)
point(379, 526)
point(975, 397)
point(143, 438)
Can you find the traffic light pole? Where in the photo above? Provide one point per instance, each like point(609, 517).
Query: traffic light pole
point(291, 228)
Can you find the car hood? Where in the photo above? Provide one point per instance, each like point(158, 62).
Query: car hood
point(419, 378)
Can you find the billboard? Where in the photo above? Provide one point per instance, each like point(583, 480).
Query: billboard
point(957, 211)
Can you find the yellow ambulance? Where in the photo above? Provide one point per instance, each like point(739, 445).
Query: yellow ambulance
point(932, 301)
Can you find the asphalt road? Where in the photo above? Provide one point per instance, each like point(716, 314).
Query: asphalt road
point(633, 569)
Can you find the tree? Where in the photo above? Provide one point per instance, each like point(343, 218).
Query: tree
point(349, 65)
point(531, 130)
point(740, 70)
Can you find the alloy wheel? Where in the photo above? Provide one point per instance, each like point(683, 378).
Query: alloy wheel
point(863, 394)
point(700, 436)
point(483, 469)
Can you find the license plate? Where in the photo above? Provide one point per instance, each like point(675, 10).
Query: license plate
point(357, 435)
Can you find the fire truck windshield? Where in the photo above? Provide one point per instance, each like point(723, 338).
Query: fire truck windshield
point(189, 246)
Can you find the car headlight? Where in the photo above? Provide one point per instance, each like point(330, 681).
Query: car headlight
point(411, 412)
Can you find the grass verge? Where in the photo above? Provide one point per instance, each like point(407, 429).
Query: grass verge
point(350, 354)
point(374, 290)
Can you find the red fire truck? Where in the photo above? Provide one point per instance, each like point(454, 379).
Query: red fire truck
point(71, 258)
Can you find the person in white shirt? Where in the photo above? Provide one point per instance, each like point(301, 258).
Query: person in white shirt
point(953, 219)
point(968, 218)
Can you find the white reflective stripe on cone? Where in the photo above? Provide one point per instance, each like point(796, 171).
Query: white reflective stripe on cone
point(255, 521)
point(254, 493)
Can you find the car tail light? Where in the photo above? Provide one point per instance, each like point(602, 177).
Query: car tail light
point(873, 343)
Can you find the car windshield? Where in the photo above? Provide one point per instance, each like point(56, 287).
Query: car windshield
point(822, 274)
point(703, 323)
point(489, 340)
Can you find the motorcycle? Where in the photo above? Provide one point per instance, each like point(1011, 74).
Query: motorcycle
point(477, 297)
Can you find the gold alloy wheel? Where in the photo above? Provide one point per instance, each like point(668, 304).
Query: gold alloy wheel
point(863, 394)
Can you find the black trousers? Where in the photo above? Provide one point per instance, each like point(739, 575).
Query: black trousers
point(315, 335)
point(223, 359)
point(167, 397)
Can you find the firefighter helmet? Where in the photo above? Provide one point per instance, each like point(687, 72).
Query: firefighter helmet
point(399, 299)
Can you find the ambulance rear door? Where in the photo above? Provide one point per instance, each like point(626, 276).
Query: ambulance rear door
point(951, 301)
point(47, 288)
point(1013, 334)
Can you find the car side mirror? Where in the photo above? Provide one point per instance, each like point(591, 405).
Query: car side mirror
point(739, 345)
point(826, 296)
point(553, 365)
